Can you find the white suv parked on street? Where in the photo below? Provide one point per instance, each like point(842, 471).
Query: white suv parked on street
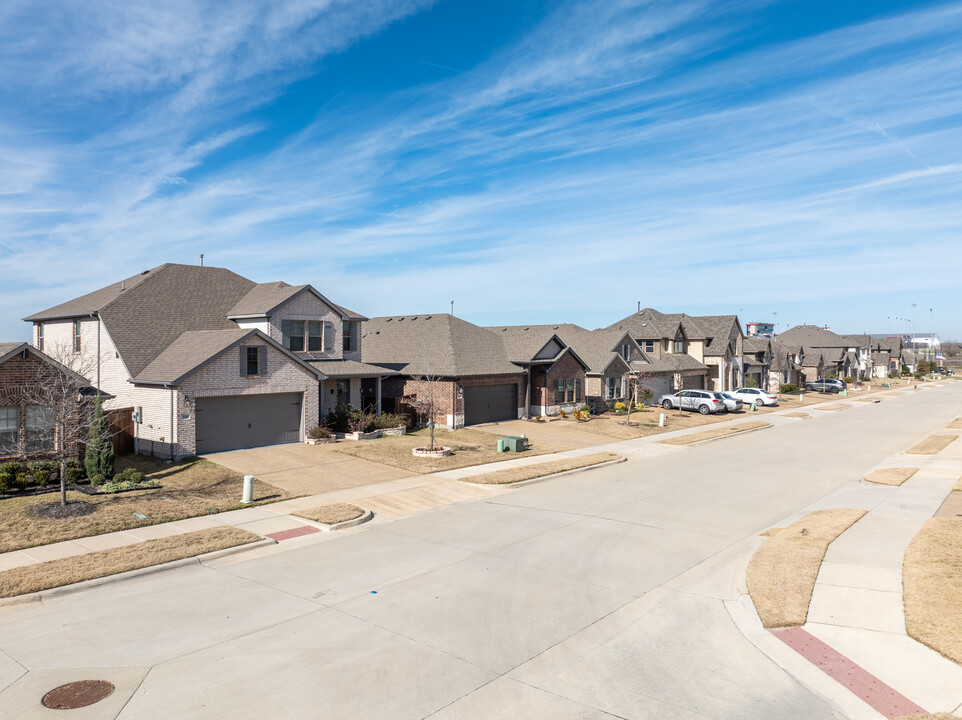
point(753, 395)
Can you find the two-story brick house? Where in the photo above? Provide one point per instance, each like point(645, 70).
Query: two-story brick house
point(213, 360)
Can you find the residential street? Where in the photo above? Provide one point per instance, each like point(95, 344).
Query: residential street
point(595, 595)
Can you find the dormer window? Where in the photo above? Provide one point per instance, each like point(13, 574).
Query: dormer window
point(626, 352)
point(679, 344)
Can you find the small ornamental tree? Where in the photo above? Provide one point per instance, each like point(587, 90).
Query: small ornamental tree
point(99, 456)
point(640, 389)
point(426, 398)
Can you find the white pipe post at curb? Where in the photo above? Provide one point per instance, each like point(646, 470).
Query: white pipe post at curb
point(662, 417)
point(248, 489)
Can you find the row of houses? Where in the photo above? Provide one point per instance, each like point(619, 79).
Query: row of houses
point(207, 360)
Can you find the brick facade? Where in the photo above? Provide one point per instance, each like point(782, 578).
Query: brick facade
point(448, 406)
point(544, 380)
point(20, 380)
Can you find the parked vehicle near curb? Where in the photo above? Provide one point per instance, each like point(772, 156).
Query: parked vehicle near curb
point(732, 403)
point(753, 395)
point(828, 385)
point(703, 401)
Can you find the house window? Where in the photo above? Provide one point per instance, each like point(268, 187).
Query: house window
point(348, 329)
point(566, 391)
point(39, 426)
point(9, 430)
point(679, 345)
point(626, 352)
point(297, 336)
point(40, 337)
point(649, 346)
point(253, 360)
point(76, 336)
point(315, 339)
point(614, 388)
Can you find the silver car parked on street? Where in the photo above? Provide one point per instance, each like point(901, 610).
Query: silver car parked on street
point(703, 401)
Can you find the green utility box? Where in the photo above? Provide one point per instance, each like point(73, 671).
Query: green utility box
point(843, 393)
point(512, 444)
point(886, 385)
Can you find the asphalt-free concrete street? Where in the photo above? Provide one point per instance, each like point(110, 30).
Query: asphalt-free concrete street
point(611, 593)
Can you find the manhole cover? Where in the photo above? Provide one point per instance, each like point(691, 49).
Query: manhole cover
point(77, 694)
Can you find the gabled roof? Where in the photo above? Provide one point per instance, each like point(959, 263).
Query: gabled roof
point(195, 348)
point(9, 350)
point(264, 298)
point(859, 341)
point(717, 329)
point(649, 324)
point(753, 344)
point(812, 336)
point(433, 344)
point(600, 348)
point(95, 301)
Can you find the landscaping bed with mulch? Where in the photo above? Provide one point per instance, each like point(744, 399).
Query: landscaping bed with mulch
point(781, 574)
point(189, 488)
point(89, 566)
point(468, 446)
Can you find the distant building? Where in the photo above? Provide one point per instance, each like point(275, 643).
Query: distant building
point(761, 329)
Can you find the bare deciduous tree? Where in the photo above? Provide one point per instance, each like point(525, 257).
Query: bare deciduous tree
point(426, 399)
point(62, 420)
point(639, 388)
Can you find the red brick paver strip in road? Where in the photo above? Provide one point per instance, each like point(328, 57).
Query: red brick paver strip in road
point(866, 686)
point(293, 533)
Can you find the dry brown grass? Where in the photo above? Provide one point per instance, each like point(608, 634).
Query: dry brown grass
point(529, 472)
point(717, 433)
point(891, 476)
point(931, 445)
point(190, 488)
point(781, 575)
point(836, 406)
point(471, 447)
point(930, 716)
point(868, 399)
point(643, 423)
point(797, 415)
point(66, 571)
point(331, 514)
point(955, 424)
point(932, 586)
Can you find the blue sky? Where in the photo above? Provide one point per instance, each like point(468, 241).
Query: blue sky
point(533, 161)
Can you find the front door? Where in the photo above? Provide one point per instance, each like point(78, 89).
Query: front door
point(344, 392)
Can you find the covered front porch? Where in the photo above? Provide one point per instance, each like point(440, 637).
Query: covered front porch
point(348, 382)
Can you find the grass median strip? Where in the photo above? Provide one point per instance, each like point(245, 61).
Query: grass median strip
point(797, 415)
point(331, 514)
point(836, 406)
point(891, 476)
point(781, 574)
point(955, 424)
point(529, 472)
point(932, 586)
point(716, 433)
point(89, 566)
point(931, 445)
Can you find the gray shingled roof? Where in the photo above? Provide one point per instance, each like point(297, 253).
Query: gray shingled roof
point(523, 342)
point(94, 301)
point(434, 344)
point(350, 314)
point(671, 362)
point(649, 324)
point(190, 350)
point(143, 321)
point(6, 347)
point(812, 336)
point(598, 348)
point(264, 297)
point(349, 368)
point(717, 328)
point(752, 344)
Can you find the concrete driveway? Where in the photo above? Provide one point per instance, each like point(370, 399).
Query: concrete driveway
point(307, 469)
point(604, 594)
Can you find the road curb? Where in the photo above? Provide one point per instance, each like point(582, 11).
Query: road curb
point(722, 437)
point(532, 481)
point(42, 595)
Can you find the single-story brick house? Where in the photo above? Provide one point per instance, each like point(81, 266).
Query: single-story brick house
point(214, 361)
point(27, 420)
point(466, 367)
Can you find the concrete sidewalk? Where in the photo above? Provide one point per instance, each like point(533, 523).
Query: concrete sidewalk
point(389, 499)
point(856, 607)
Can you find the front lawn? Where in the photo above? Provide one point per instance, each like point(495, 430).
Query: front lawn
point(643, 423)
point(188, 488)
point(471, 447)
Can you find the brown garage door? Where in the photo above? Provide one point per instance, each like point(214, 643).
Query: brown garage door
point(490, 403)
point(246, 421)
